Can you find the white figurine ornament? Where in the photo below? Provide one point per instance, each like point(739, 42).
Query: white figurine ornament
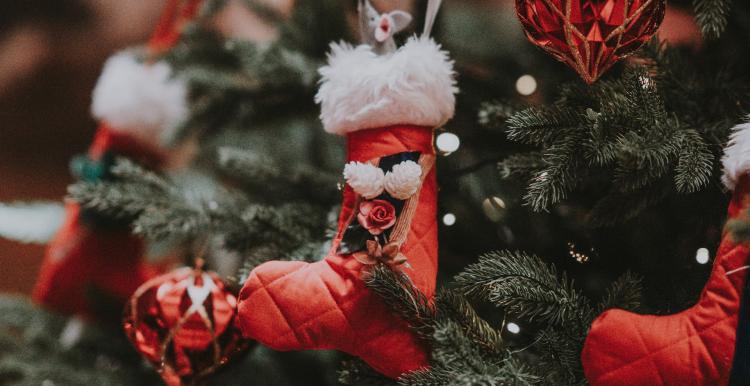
point(377, 30)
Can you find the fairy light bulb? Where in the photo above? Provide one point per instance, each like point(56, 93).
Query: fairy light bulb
point(513, 328)
point(447, 143)
point(494, 208)
point(449, 219)
point(526, 85)
point(702, 256)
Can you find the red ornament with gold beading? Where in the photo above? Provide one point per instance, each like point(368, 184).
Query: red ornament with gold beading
point(590, 35)
point(183, 323)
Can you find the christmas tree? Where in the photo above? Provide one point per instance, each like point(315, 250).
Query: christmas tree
point(560, 196)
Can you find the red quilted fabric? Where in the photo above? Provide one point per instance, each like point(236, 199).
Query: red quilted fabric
point(693, 347)
point(81, 262)
point(325, 305)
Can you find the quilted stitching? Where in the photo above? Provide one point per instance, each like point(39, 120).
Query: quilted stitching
point(649, 354)
point(702, 356)
point(264, 288)
point(79, 258)
point(365, 326)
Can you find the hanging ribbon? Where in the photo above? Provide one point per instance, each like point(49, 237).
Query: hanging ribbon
point(176, 14)
point(433, 6)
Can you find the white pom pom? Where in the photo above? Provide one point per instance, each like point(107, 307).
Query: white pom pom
point(140, 98)
point(404, 180)
point(365, 179)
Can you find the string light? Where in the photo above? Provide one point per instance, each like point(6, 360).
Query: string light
point(72, 333)
point(526, 85)
point(494, 208)
point(513, 328)
point(579, 256)
point(447, 143)
point(449, 219)
point(701, 256)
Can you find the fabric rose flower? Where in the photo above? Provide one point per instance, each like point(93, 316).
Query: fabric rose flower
point(365, 179)
point(404, 180)
point(376, 216)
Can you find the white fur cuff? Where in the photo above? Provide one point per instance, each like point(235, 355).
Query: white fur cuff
point(142, 99)
point(736, 158)
point(360, 90)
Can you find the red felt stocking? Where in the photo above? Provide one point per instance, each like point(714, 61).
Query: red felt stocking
point(83, 258)
point(693, 347)
point(86, 258)
point(387, 107)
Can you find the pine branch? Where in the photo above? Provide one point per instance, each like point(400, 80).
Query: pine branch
point(624, 293)
point(559, 356)
point(521, 166)
point(463, 371)
point(233, 82)
point(452, 306)
point(553, 183)
point(277, 180)
point(541, 126)
point(618, 207)
point(128, 170)
point(465, 348)
point(398, 292)
point(355, 372)
point(695, 163)
point(712, 16)
point(453, 349)
point(174, 221)
point(37, 350)
point(524, 286)
point(115, 199)
point(644, 161)
point(493, 115)
point(620, 133)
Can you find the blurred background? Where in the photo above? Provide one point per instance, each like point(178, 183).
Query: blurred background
point(51, 53)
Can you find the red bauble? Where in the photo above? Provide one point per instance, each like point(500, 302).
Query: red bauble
point(184, 324)
point(590, 35)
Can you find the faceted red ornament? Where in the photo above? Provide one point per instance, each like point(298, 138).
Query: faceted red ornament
point(183, 323)
point(590, 35)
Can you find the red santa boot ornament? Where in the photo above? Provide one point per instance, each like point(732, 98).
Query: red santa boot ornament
point(136, 101)
point(698, 346)
point(387, 101)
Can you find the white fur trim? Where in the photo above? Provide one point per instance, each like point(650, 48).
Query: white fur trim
point(361, 90)
point(31, 223)
point(138, 98)
point(736, 157)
